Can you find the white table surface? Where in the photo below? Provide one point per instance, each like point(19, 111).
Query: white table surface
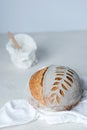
point(61, 48)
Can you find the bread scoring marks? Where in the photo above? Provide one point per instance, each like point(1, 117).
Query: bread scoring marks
point(63, 80)
point(61, 88)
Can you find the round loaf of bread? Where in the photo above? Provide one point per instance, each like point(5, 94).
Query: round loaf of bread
point(55, 88)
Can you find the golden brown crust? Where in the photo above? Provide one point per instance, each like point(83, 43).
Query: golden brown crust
point(35, 85)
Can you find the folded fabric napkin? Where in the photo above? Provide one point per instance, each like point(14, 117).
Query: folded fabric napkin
point(17, 112)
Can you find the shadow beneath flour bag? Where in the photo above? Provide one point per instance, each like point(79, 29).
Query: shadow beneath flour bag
point(42, 54)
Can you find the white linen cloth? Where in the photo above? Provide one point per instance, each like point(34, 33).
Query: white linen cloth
point(17, 112)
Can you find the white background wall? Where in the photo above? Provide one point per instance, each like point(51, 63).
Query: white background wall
point(42, 15)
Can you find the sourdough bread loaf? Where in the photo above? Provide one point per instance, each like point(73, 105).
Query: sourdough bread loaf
point(55, 88)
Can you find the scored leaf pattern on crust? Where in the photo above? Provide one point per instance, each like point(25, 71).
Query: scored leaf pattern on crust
point(64, 77)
